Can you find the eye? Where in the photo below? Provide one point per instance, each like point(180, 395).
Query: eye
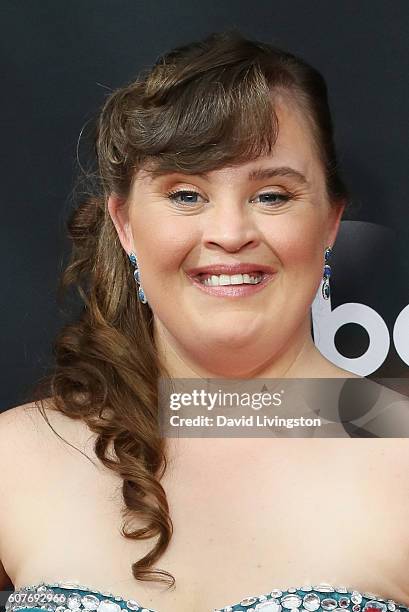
point(272, 198)
point(174, 195)
point(275, 198)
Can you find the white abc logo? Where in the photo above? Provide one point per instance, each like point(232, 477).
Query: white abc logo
point(326, 323)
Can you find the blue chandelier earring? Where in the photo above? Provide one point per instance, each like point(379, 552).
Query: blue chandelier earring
point(134, 262)
point(326, 274)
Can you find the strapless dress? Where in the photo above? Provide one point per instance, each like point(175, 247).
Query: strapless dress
point(72, 597)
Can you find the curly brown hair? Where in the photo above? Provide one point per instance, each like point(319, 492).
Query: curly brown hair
point(200, 107)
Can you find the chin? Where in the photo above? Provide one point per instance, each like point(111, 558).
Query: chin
point(234, 338)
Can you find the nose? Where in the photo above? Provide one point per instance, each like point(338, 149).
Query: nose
point(230, 226)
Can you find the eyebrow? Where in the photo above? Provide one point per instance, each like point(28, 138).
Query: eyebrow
point(260, 174)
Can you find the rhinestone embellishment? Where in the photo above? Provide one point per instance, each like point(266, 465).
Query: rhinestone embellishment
point(311, 602)
point(329, 603)
point(90, 602)
point(322, 597)
point(291, 601)
point(268, 606)
point(374, 606)
point(248, 601)
point(46, 597)
point(343, 602)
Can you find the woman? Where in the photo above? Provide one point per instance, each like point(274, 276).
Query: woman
point(218, 164)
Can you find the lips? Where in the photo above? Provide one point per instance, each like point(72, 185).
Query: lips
point(230, 269)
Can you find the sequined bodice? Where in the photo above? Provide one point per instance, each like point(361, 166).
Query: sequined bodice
point(72, 597)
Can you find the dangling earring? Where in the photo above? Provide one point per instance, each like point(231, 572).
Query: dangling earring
point(327, 274)
point(141, 294)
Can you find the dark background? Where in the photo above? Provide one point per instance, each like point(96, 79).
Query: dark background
point(60, 60)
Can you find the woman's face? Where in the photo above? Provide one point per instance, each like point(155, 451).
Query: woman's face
point(279, 217)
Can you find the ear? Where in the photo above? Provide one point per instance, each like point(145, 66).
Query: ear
point(119, 212)
point(334, 220)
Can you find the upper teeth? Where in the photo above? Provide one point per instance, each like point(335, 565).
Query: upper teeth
point(234, 279)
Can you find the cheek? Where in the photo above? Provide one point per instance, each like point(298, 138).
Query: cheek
point(297, 242)
point(162, 244)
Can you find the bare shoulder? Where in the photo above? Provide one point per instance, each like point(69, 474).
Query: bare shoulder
point(18, 425)
point(17, 418)
point(34, 458)
point(34, 450)
point(25, 435)
point(21, 442)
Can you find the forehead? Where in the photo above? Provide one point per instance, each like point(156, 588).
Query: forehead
point(294, 149)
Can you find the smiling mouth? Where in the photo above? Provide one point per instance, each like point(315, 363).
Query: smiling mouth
point(216, 280)
point(232, 286)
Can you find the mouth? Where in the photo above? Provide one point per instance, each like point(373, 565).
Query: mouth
point(216, 280)
point(235, 285)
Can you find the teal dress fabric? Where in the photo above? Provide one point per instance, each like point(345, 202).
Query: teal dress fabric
point(322, 598)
